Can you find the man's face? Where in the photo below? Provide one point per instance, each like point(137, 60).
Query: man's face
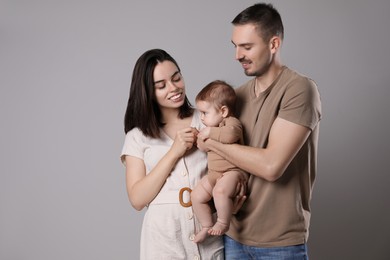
point(251, 51)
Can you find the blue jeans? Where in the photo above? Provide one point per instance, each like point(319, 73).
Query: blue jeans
point(235, 250)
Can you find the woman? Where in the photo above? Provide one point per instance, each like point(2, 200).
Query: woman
point(161, 160)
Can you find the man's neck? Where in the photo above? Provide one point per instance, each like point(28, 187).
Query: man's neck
point(264, 81)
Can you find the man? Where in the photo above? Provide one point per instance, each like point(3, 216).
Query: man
point(280, 111)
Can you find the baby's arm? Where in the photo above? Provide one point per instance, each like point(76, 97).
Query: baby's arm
point(229, 133)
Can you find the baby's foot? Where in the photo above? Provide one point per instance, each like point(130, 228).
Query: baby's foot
point(218, 229)
point(201, 236)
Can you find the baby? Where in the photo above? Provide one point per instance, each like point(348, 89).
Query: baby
point(216, 103)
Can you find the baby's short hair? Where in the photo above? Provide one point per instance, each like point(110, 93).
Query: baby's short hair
point(220, 94)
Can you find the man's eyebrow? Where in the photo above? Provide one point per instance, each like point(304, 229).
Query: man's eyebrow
point(243, 44)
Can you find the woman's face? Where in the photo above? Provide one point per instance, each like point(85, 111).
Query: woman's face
point(168, 85)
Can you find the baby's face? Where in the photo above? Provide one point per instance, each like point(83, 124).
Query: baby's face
point(209, 114)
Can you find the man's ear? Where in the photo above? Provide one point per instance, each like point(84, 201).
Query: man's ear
point(224, 111)
point(275, 43)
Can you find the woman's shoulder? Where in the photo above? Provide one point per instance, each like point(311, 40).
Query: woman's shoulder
point(135, 135)
point(134, 132)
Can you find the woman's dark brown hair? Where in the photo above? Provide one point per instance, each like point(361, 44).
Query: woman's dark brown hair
point(142, 109)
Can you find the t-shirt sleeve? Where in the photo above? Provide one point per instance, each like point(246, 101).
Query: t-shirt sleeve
point(133, 145)
point(301, 103)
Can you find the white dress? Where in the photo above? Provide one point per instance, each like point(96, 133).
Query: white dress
point(168, 228)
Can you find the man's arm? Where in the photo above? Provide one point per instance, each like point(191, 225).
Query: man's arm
point(285, 140)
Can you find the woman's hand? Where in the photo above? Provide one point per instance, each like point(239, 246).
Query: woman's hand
point(184, 140)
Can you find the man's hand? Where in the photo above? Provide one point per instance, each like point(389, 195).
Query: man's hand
point(240, 198)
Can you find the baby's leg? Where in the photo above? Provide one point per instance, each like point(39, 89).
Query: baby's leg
point(223, 193)
point(200, 196)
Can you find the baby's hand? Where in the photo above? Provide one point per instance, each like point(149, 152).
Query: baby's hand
point(204, 133)
point(201, 145)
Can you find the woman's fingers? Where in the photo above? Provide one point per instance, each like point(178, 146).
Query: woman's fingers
point(188, 136)
point(184, 140)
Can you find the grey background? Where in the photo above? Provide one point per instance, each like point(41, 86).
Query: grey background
point(65, 72)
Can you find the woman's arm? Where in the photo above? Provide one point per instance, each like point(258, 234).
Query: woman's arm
point(142, 188)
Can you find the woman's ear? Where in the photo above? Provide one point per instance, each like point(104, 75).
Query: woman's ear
point(224, 111)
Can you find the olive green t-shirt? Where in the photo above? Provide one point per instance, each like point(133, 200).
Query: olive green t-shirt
point(278, 213)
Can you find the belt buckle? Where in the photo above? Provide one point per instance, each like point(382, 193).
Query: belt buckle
point(181, 192)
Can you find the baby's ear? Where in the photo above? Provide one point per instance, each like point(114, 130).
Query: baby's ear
point(224, 111)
